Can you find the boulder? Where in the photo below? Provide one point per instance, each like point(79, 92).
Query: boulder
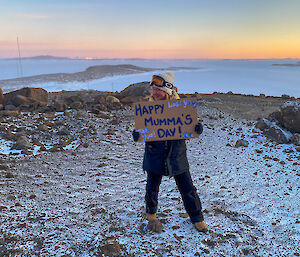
point(23, 143)
point(20, 99)
point(273, 131)
point(278, 134)
point(135, 92)
point(76, 105)
point(291, 116)
point(132, 99)
point(288, 116)
point(10, 107)
point(33, 95)
point(73, 99)
point(276, 117)
point(111, 99)
point(100, 99)
point(99, 107)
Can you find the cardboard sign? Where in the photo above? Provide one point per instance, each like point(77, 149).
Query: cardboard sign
point(166, 120)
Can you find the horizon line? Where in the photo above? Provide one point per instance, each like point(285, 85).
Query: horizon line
point(137, 58)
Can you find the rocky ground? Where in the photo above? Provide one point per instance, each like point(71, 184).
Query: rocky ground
point(244, 106)
point(79, 188)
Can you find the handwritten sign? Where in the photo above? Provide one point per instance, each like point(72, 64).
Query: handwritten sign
point(166, 120)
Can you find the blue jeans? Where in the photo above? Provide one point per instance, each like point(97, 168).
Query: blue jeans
point(187, 190)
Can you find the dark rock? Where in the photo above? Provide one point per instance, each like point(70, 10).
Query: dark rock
point(277, 134)
point(46, 109)
point(110, 248)
point(59, 106)
point(20, 99)
point(43, 128)
point(100, 99)
point(261, 124)
point(273, 131)
point(241, 142)
point(63, 132)
point(276, 117)
point(76, 105)
point(28, 107)
point(10, 107)
point(99, 107)
point(288, 116)
point(115, 121)
point(291, 116)
point(295, 139)
point(22, 143)
point(35, 95)
point(72, 99)
point(103, 115)
point(132, 99)
point(9, 113)
point(135, 93)
point(11, 197)
point(33, 196)
point(9, 175)
point(59, 123)
point(36, 141)
point(115, 106)
point(155, 226)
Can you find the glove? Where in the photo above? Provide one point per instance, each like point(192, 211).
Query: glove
point(199, 128)
point(135, 135)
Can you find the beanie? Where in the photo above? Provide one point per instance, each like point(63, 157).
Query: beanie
point(169, 78)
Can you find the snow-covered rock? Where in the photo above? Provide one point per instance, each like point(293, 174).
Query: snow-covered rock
point(273, 131)
point(288, 116)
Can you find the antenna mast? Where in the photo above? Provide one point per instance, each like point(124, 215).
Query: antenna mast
point(20, 63)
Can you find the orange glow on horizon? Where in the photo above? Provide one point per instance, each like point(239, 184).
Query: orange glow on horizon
point(250, 50)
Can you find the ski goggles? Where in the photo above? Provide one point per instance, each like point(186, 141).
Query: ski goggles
point(160, 82)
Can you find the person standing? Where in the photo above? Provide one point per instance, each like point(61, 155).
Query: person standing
point(168, 158)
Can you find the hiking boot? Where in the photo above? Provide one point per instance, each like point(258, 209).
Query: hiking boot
point(150, 217)
point(201, 226)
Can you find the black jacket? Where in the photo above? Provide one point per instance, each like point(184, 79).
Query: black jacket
point(166, 157)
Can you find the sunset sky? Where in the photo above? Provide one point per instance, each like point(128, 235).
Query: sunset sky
point(151, 29)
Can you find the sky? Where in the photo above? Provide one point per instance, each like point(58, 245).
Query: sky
point(237, 29)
